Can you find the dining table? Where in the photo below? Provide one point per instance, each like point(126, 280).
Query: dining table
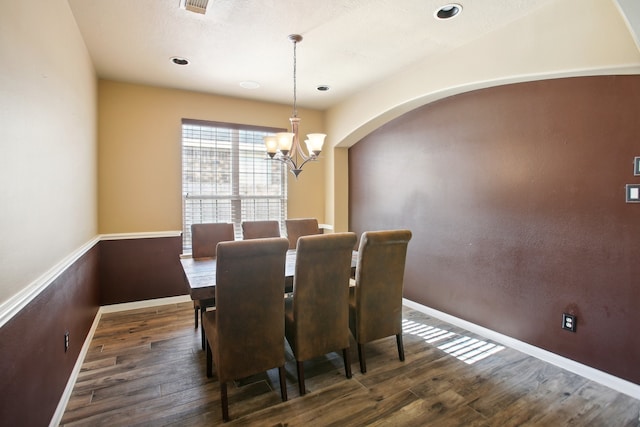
point(200, 274)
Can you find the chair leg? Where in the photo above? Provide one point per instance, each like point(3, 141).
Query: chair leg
point(209, 361)
point(301, 378)
point(195, 316)
point(346, 355)
point(400, 346)
point(363, 363)
point(283, 383)
point(224, 401)
point(203, 337)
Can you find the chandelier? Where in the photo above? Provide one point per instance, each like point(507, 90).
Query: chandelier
point(285, 146)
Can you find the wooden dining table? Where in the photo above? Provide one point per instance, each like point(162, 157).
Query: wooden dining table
point(200, 274)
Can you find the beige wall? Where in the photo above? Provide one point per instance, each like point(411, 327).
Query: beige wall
point(140, 158)
point(48, 98)
point(337, 184)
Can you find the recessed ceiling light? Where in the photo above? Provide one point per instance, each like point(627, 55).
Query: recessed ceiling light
point(179, 61)
point(448, 11)
point(323, 88)
point(249, 85)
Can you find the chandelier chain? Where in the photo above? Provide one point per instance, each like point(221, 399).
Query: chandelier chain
point(295, 109)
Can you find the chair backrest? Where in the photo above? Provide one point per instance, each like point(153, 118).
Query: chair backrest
point(205, 238)
point(379, 283)
point(260, 229)
point(321, 294)
point(298, 227)
point(249, 307)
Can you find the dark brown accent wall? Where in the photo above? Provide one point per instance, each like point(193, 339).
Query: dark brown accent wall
point(140, 269)
point(34, 368)
point(516, 199)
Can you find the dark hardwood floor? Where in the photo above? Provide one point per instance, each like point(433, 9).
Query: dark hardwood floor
point(145, 368)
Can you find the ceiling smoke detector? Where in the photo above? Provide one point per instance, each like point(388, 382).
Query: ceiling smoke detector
point(197, 6)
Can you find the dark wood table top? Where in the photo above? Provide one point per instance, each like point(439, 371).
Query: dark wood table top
point(200, 274)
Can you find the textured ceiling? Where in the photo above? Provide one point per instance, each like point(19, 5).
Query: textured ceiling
point(348, 45)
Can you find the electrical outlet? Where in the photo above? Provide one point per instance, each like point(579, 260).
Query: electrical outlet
point(569, 322)
point(66, 341)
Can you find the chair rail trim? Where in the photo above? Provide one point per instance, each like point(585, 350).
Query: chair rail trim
point(14, 304)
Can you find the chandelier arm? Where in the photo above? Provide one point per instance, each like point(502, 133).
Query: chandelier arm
point(288, 161)
point(292, 165)
point(310, 159)
point(296, 149)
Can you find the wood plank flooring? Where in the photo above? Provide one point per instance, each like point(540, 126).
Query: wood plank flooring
point(145, 368)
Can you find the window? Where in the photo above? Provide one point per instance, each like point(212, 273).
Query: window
point(226, 177)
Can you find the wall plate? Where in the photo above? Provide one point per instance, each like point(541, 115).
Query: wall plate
point(636, 166)
point(633, 193)
point(569, 322)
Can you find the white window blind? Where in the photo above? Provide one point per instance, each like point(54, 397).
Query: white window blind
point(226, 177)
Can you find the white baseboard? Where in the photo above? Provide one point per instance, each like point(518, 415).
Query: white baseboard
point(57, 416)
point(64, 400)
point(113, 308)
point(603, 378)
point(613, 382)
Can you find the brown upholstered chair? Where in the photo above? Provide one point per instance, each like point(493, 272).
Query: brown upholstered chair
point(298, 227)
point(317, 316)
point(204, 239)
point(260, 229)
point(375, 303)
point(245, 333)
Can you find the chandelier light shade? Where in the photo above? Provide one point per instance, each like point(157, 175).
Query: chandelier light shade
point(285, 146)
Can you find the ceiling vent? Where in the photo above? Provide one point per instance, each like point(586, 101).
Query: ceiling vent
point(197, 6)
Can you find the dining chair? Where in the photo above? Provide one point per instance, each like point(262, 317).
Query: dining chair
point(317, 315)
point(260, 229)
point(245, 333)
point(375, 302)
point(297, 227)
point(204, 239)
